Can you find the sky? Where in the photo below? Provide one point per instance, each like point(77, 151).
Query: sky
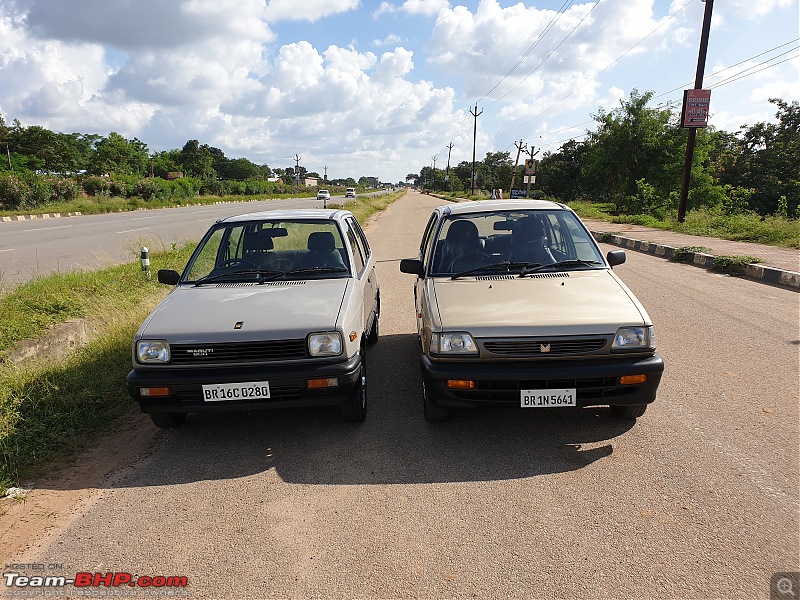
point(381, 88)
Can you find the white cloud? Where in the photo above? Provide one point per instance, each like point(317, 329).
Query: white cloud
point(307, 10)
point(389, 40)
point(428, 8)
point(754, 11)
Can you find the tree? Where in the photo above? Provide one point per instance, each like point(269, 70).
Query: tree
point(117, 155)
point(560, 174)
point(631, 143)
point(197, 160)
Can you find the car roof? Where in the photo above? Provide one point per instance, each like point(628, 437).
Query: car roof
point(496, 205)
point(295, 214)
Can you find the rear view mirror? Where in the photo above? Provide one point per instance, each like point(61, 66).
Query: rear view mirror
point(275, 232)
point(168, 276)
point(616, 257)
point(412, 266)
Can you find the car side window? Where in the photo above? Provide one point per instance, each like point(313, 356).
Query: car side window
point(425, 245)
point(358, 253)
point(362, 237)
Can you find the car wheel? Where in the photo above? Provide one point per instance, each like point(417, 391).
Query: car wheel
point(433, 413)
point(168, 420)
point(372, 338)
point(355, 408)
point(632, 411)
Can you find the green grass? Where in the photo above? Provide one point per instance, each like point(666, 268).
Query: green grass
point(49, 412)
point(772, 231)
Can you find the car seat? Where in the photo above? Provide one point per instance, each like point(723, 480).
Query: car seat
point(462, 239)
point(322, 251)
point(528, 239)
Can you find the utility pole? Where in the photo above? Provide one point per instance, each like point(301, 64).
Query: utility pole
point(528, 192)
point(8, 153)
point(475, 114)
point(326, 172)
point(297, 170)
point(434, 174)
point(447, 173)
point(520, 147)
point(698, 85)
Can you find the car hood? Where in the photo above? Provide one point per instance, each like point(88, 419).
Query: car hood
point(277, 310)
point(572, 303)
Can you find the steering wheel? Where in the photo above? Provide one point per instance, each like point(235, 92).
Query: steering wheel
point(470, 261)
point(237, 261)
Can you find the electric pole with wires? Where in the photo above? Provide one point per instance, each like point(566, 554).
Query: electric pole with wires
point(475, 114)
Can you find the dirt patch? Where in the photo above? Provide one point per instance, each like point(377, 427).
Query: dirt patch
point(56, 500)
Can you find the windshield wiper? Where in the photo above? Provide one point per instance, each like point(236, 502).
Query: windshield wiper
point(317, 270)
point(564, 264)
point(264, 275)
point(508, 266)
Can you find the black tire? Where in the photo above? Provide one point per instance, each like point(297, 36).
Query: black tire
point(432, 412)
point(355, 408)
point(632, 411)
point(168, 420)
point(372, 337)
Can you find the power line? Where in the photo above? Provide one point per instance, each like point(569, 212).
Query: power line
point(549, 55)
point(615, 61)
point(535, 43)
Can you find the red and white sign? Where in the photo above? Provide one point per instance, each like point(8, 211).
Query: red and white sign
point(695, 108)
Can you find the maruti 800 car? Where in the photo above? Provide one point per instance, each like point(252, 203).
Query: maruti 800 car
point(274, 309)
point(516, 306)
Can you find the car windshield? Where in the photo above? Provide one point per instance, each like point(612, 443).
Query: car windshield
point(516, 241)
point(262, 251)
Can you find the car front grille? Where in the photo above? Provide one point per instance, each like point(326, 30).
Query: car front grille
point(543, 347)
point(204, 354)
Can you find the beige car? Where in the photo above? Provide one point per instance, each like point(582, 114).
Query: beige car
point(273, 310)
point(516, 306)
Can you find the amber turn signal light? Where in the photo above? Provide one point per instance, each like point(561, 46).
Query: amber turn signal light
point(460, 384)
point(631, 379)
point(322, 383)
point(164, 391)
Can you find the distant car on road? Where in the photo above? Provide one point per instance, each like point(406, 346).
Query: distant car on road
point(350, 193)
point(274, 309)
point(516, 306)
point(323, 195)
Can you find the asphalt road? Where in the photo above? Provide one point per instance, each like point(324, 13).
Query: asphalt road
point(697, 499)
point(43, 246)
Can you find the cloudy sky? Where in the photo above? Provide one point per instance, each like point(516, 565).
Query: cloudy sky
point(373, 88)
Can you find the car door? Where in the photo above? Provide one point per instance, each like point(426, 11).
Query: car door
point(364, 266)
point(421, 301)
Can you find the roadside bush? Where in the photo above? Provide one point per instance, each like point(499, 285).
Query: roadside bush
point(65, 189)
point(95, 185)
point(147, 189)
point(41, 191)
point(14, 193)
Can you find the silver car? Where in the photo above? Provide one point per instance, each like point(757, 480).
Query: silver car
point(274, 309)
point(516, 306)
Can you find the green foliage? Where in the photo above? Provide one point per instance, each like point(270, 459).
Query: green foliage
point(96, 186)
point(732, 264)
point(685, 254)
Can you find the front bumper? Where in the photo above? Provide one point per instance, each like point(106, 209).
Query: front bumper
point(288, 387)
point(596, 381)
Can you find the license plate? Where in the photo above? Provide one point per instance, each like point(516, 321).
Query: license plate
point(222, 392)
point(547, 398)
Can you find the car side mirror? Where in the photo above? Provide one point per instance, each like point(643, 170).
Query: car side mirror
point(412, 266)
point(168, 276)
point(616, 257)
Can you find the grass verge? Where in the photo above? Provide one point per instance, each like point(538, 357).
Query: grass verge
point(772, 231)
point(50, 412)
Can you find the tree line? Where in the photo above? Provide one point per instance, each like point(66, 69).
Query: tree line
point(635, 159)
point(42, 167)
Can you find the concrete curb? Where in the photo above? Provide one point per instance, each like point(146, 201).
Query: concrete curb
point(755, 272)
point(34, 217)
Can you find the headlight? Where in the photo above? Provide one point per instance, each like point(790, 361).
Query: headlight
point(325, 344)
point(634, 338)
point(453, 343)
point(152, 351)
